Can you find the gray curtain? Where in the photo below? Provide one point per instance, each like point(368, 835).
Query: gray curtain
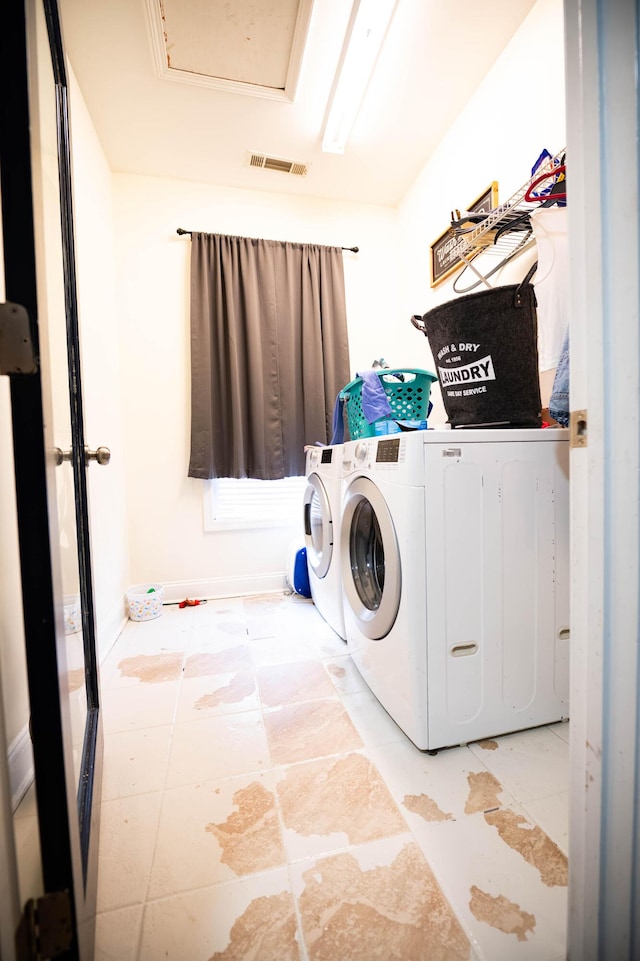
point(269, 353)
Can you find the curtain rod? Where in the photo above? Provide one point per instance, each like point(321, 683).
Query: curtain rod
point(181, 232)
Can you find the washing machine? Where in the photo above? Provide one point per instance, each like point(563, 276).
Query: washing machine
point(455, 571)
point(382, 548)
point(321, 517)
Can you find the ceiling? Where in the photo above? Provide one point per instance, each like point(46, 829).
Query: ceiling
point(148, 78)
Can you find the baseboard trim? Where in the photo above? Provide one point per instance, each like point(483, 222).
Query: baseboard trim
point(20, 760)
point(110, 628)
point(216, 587)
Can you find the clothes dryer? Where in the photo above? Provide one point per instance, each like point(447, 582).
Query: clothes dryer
point(321, 516)
point(455, 560)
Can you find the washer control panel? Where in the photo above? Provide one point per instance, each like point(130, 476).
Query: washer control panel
point(361, 452)
point(374, 454)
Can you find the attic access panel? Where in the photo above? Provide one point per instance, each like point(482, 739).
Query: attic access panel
point(251, 47)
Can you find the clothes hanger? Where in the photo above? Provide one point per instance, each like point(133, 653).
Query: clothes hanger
point(530, 199)
point(555, 195)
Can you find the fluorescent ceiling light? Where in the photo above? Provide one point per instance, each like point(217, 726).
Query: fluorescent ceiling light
point(366, 31)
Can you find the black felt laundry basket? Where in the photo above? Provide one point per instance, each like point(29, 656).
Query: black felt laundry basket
point(485, 347)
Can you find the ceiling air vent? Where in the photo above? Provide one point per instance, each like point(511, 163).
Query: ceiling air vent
point(277, 163)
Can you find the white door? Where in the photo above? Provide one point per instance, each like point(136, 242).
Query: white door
point(318, 526)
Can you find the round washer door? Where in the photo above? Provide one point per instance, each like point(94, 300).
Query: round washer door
point(370, 559)
point(318, 526)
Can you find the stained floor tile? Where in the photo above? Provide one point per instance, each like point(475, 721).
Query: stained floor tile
point(531, 842)
point(371, 720)
point(135, 762)
point(282, 684)
point(283, 649)
point(228, 660)
point(263, 806)
point(501, 913)
point(426, 807)
point(128, 828)
point(453, 779)
point(269, 926)
point(354, 909)
point(249, 920)
point(484, 792)
point(152, 668)
point(464, 855)
point(218, 694)
point(335, 802)
point(133, 657)
point(299, 732)
point(216, 831)
point(531, 764)
point(552, 814)
point(217, 747)
point(149, 705)
point(344, 675)
point(218, 636)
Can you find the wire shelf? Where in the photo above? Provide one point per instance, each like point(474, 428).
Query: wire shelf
point(504, 232)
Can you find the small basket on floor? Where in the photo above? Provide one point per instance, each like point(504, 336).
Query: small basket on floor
point(145, 601)
point(408, 391)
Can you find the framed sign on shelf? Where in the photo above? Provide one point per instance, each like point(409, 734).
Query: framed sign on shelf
point(444, 260)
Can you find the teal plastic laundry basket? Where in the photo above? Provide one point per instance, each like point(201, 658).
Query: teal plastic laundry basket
point(408, 399)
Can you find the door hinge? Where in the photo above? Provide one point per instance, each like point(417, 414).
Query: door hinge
point(578, 428)
point(45, 929)
point(16, 347)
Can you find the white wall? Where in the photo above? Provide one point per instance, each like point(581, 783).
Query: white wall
point(518, 110)
point(166, 535)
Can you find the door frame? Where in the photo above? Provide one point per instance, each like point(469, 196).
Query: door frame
point(68, 821)
point(601, 55)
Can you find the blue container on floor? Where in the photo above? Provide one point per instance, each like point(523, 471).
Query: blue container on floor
point(299, 573)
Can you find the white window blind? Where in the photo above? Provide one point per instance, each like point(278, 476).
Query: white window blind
point(248, 503)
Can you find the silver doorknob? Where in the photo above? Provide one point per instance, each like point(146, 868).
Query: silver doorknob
point(61, 455)
point(102, 455)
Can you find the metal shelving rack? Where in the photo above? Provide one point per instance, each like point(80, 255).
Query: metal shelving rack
point(479, 246)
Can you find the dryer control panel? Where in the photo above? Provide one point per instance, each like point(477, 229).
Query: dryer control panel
point(388, 451)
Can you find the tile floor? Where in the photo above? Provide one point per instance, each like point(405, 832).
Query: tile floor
point(260, 805)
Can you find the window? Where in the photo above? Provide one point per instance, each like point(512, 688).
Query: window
point(230, 503)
